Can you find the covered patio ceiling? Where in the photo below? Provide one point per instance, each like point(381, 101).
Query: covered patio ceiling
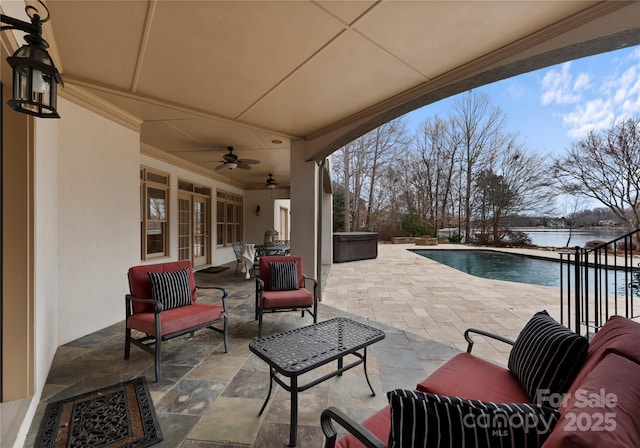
point(198, 76)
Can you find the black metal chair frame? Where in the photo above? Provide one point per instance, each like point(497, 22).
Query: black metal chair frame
point(237, 250)
point(260, 310)
point(364, 436)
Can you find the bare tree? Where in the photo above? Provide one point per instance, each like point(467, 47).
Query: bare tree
point(439, 173)
point(604, 166)
point(395, 178)
point(514, 182)
point(493, 197)
point(572, 204)
point(528, 177)
point(389, 141)
point(476, 125)
point(349, 166)
point(438, 149)
point(357, 166)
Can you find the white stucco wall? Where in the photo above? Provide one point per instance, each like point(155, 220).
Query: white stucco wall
point(98, 219)
point(255, 226)
point(45, 247)
point(45, 286)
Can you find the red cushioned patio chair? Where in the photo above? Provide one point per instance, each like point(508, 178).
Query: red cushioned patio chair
point(164, 310)
point(284, 290)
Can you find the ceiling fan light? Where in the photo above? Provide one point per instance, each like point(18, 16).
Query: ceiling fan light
point(271, 186)
point(231, 165)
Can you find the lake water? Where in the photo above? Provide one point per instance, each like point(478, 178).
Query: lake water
point(559, 237)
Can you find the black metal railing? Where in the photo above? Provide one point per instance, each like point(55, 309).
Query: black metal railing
point(598, 282)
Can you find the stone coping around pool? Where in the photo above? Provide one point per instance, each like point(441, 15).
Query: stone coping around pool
point(425, 241)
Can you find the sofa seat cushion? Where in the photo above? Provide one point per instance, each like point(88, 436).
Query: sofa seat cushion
point(378, 424)
point(176, 319)
point(468, 376)
point(604, 410)
point(547, 356)
point(282, 299)
point(438, 421)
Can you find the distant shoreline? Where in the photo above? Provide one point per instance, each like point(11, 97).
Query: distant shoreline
point(579, 229)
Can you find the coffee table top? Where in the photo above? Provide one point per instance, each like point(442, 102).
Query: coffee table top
point(303, 349)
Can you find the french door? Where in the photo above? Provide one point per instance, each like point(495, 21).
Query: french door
point(184, 226)
point(200, 231)
point(193, 229)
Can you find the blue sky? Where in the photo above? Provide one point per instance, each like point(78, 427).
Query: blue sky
point(552, 107)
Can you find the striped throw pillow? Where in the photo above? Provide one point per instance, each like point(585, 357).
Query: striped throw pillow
point(421, 419)
point(546, 356)
point(172, 289)
point(283, 275)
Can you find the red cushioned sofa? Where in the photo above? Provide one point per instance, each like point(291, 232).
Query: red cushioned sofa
point(611, 369)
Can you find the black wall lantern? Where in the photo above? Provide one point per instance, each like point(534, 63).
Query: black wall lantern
point(35, 77)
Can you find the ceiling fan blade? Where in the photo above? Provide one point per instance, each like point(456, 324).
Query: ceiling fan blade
point(230, 157)
point(243, 166)
point(219, 167)
point(249, 161)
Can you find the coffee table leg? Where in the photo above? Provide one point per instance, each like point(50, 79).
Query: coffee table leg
point(364, 363)
point(340, 363)
point(293, 428)
point(266, 400)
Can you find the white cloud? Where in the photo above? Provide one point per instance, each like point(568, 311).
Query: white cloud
point(617, 95)
point(582, 82)
point(515, 91)
point(627, 96)
point(558, 85)
point(593, 115)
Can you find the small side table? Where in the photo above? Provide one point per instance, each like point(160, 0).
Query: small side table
point(295, 352)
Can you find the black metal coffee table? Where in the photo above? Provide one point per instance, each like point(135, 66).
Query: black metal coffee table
point(295, 352)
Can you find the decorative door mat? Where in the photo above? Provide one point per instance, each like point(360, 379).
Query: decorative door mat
point(117, 416)
point(214, 269)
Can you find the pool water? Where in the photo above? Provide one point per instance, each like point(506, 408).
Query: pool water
point(498, 265)
point(518, 268)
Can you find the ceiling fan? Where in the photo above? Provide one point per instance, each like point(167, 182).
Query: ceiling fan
point(271, 183)
point(231, 161)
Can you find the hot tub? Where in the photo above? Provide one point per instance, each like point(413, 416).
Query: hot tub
point(352, 246)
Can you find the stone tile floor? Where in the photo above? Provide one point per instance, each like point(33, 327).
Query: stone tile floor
point(211, 399)
point(407, 291)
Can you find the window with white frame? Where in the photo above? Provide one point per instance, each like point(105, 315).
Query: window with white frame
point(229, 215)
point(154, 213)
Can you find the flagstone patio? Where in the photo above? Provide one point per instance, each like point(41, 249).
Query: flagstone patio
point(211, 399)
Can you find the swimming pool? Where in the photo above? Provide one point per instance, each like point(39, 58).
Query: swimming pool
point(498, 265)
point(516, 268)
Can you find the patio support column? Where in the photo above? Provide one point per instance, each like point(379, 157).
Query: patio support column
point(304, 194)
point(17, 254)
